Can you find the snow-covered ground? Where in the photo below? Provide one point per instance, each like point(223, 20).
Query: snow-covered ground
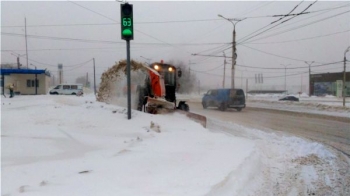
point(69, 145)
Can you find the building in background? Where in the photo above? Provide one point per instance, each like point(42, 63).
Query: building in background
point(329, 84)
point(24, 81)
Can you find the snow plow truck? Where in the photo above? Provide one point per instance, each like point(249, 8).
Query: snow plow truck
point(158, 94)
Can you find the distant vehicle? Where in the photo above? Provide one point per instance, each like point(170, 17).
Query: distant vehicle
point(289, 98)
point(67, 89)
point(224, 98)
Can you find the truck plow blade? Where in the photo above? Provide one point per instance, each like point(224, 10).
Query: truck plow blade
point(196, 117)
point(160, 103)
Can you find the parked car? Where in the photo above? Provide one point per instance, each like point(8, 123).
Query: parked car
point(224, 98)
point(289, 98)
point(67, 89)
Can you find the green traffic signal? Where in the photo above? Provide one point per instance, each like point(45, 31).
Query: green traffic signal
point(127, 26)
point(127, 32)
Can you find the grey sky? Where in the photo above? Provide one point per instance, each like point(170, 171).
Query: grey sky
point(157, 38)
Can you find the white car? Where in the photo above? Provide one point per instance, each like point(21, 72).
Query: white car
point(67, 89)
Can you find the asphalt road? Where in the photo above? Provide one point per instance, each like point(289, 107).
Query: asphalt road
point(333, 131)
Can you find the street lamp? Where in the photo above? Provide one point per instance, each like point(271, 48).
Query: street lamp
point(149, 60)
point(36, 81)
point(309, 76)
point(344, 75)
point(285, 77)
point(234, 54)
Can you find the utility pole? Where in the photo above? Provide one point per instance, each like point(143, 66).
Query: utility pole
point(246, 87)
point(285, 77)
point(36, 81)
point(18, 60)
point(25, 30)
point(199, 87)
point(18, 64)
point(87, 79)
point(344, 76)
point(189, 65)
point(309, 76)
point(242, 79)
point(223, 80)
point(94, 77)
point(234, 53)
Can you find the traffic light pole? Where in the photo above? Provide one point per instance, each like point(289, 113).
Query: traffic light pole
point(128, 76)
point(127, 34)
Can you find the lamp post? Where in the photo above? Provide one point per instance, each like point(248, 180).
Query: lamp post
point(309, 76)
point(36, 81)
point(344, 75)
point(285, 77)
point(189, 66)
point(234, 54)
point(149, 60)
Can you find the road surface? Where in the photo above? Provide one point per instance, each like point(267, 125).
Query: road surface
point(330, 130)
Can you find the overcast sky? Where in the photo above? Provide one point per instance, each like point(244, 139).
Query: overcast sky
point(176, 30)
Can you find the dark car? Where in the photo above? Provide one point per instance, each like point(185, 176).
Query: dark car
point(289, 98)
point(224, 98)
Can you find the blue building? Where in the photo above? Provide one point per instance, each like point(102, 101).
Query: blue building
point(26, 81)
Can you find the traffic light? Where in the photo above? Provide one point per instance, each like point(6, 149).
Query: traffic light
point(127, 25)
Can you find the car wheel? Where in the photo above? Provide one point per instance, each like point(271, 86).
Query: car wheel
point(222, 107)
point(204, 105)
point(239, 109)
point(74, 94)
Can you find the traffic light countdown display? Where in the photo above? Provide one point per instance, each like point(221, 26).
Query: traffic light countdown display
point(127, 25)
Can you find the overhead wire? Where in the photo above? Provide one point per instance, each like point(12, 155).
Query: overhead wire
point(149, 22)
point(301, 26)
point(284, 57)
point(251, 37)
point(247, 36)
point(307, 38)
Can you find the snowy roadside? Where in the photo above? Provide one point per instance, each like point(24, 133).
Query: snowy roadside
point(328, 105)
point(68, 145)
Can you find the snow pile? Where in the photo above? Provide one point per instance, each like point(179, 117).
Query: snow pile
point(84, 147)
point(113, 82)
point(113, 86)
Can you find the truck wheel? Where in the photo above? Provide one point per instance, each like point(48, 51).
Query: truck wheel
point(187, 108)
point(204, 105)
point(222, 107)
point(184, 107)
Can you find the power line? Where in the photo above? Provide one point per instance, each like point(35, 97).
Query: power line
point(246, 39)
point(254, 9)
point(103, 41)
point(295, 28)
point(56, 65)
point(155, 22)
point(307, 38)
point(208, 69)
point(116, 21)
point(276, 68)
point(284, 57)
